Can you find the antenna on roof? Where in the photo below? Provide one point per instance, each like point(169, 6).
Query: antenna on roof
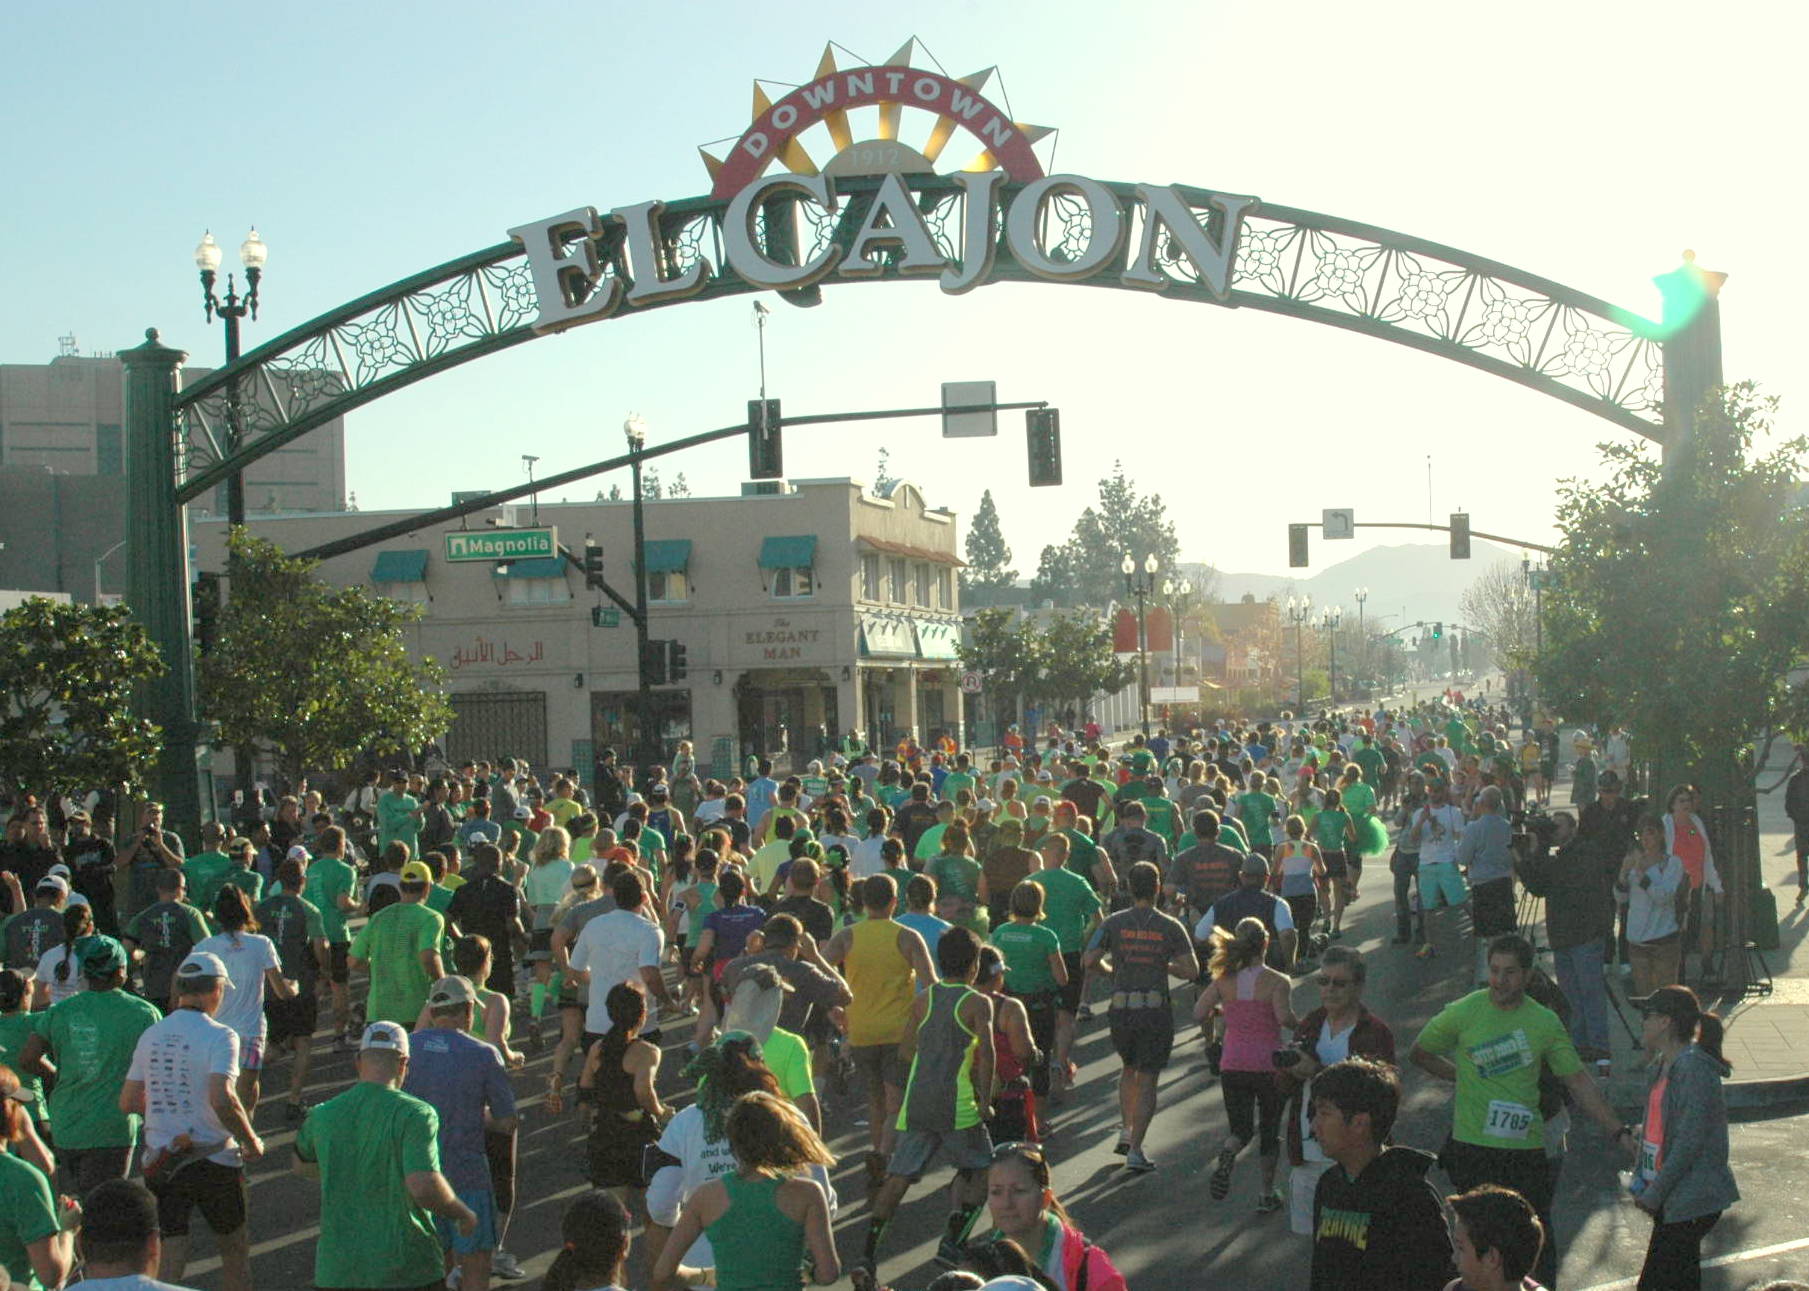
point(66, 347)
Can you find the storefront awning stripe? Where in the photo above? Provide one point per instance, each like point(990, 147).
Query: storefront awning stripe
point(408, 566)
point(668, 555)
point(795, 551)
point(916, 553)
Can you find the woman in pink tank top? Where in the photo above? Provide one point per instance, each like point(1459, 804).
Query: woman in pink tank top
point(1255, 999)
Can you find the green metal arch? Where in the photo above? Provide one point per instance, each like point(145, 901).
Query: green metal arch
point(1377, 282)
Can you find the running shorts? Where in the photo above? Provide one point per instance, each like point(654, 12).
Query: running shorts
point(1441, 884)
point(1142, 1038)
point(1492, 913)
point(968, 1149)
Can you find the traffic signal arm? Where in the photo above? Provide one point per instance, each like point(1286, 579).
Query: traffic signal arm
point(597, 581)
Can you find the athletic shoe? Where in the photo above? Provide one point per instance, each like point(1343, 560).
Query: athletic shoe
point(1425, 952)
point(1123, 1146)
point(1269, 1202)
point(1084, 1012)
point(1220, 1186)
point(949, 1253)
point(504, 1267)
point(1137, 1163)
point(455, 1279)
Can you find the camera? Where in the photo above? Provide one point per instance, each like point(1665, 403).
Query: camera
point(1285, 1058)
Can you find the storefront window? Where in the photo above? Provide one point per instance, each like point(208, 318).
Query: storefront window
point(870, 578)
point(538, 591)
point(900, 589)
point(923, 586)
point(792, 584)
point(667, 589)
point(408, 593)
point(945, 589)
point(615, 723)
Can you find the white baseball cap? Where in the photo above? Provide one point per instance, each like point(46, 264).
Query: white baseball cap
point(201, 963)
point(384, 1037)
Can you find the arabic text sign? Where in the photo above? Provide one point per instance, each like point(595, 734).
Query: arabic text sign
point(502, 544)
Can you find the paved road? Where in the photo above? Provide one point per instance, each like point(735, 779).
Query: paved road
point(1161, 1228)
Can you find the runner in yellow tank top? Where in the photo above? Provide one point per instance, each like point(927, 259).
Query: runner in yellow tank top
point(883, 961)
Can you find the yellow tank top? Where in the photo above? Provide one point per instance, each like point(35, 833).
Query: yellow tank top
point(883, 984)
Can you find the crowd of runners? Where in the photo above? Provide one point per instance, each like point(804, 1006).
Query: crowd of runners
point(907, 941)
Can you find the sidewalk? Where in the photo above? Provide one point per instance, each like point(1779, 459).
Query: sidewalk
point(1768, 1036)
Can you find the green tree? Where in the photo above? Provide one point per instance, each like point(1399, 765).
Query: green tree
point(1055, 580)
point(316, 674)
point(680, 487)
point(883, 479)
point(1681, 597)
point(67, 673)
point(1007, 652)
point(988, 558)
point(1078, 661)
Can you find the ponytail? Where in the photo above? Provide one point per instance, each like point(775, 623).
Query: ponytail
point(1709, 1033)
point(595, 1233)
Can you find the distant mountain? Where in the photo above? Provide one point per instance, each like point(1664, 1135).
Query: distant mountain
point(1406, 583)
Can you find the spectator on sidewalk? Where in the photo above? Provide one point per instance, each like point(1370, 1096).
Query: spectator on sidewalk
point(1485, 852)
point(1579, 919)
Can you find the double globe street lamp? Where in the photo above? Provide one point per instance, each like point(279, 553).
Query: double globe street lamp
point(252, 255)
point(1331, 621)
point(1140, 582)
point(1299, 612)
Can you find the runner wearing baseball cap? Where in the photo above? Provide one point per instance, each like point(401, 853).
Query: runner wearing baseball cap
point(376, 1153)
point(401, 946)
point(184, 1081)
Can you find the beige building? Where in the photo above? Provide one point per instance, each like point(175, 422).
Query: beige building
point(805, 612)
point(62, 476)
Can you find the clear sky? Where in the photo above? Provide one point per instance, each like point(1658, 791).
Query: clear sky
point(1588, 141)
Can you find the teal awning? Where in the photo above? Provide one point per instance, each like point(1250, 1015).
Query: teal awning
point(938, 640)
point(533, 567)
point(798, 551)
point(668, 555)
point(400, 566)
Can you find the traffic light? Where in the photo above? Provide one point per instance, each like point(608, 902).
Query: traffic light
point(653, 662)
point(1438, 631)
point(676, 667)
point(593, 558)
point(765, 454)
point(1297, 546)
point(1043, 431)
point(206, 609)
point(1460, 535)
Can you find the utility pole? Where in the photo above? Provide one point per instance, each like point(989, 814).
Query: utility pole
point(648, 752)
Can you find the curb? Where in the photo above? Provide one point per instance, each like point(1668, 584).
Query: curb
point(1776, 1095)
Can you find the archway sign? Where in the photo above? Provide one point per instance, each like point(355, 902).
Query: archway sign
point(878, 210)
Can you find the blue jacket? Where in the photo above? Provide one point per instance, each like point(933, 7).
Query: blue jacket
point(1694, 1178)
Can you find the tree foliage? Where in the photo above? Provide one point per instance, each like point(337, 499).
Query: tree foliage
point(988, 558)
point(313, 673)
point(1069, 660)
point(1682, 591)
point(1500, 605)
point(1085, 569)
point(67, 673)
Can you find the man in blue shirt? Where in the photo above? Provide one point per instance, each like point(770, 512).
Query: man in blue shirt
point(762, 793)
point(462, 1078)
point(1485, 852)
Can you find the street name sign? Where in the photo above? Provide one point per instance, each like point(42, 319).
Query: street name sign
point(501, 544)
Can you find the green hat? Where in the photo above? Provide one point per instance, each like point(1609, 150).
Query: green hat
point(101, 955)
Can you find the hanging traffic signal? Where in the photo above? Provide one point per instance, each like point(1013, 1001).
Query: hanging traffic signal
point(765, 454)
point(1438, 631)
point(1043, 431)
point(1297, 546)
point(676, 665)
point(653, 662)
point(1460, 535)
point(206, 610)
point(593, 558)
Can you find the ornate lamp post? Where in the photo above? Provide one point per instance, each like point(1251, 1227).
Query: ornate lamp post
point(635, 429)
point(1331, 621)
point(1298, 613)
point(1141, 584)
point(252, 254)
point(1362, 595)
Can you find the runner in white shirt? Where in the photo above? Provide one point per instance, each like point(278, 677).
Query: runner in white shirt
point(252, 964)
point(620, 946)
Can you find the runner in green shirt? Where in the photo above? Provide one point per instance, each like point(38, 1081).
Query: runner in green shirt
point(206, 869)
point(16, 1027)
point(333, 888)
point(1032, 951)
point(90, 1037)
point(1071, 907)
point(163, 933)
point(401, 944)
point(376, 1153)
point(31, 1220)
point(1257, 810)
point(960, 882)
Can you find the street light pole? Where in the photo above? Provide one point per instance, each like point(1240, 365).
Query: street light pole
point(1331, 621)
point(1140, 584)
point(648, 753)
point(98, 562)
point(252, 254)
point(1298, 614)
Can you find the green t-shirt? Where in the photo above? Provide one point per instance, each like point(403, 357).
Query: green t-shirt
point(397, 823)
point(166, 932)
point(929, 843)
point(293, 924)
point(367, 1142)
point(1358, 799)
point(1069, 904)
point(31, 1216)
point(1257, 811)
point(788, 1058)
point(1433, 766)
point(955, 781)
point(1026, 948)
point(956, 876)
point(250, 880)
point(1231, 834)
point(1329, 828)
point(15, 1029)
point(1162, 818)
point(1371, 759)
point(205, 871)
point(1498, 1053)
point(91, 1036)
point(330, 878)
point(1083, 854)
point(392, 943)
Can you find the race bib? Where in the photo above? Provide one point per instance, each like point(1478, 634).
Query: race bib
point(1648, 1160)
point(1508, 1120)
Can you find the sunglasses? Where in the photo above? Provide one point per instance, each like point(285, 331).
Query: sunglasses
point(1335, 981)
point(1027, 1150)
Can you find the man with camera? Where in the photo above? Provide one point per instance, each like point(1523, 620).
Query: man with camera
point(152, 848)
point(1579, 919)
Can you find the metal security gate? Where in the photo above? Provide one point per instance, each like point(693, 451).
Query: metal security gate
point(488, 725)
